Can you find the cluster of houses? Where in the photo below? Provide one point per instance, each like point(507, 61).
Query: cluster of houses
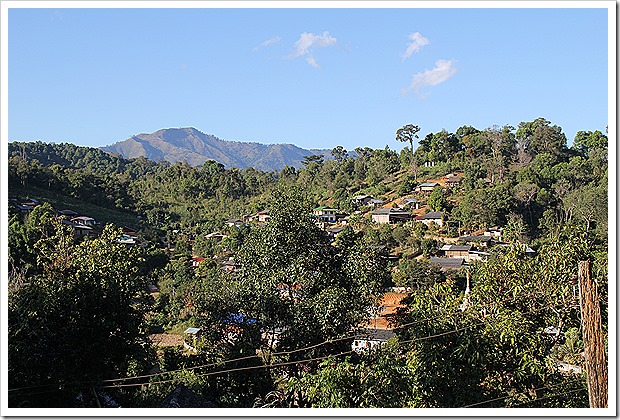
point(81, 224)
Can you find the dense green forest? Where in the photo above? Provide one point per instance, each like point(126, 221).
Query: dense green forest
point(279, 303)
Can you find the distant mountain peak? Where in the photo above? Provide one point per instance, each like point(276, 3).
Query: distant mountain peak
point(196, 147)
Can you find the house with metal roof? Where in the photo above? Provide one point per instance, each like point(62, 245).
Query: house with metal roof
point(431, 217)
point(390, 216)
point(427, 186)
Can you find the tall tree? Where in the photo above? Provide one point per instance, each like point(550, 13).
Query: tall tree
point(407, 134)
point(78, 322)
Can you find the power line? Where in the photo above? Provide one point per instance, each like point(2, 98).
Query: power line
point(90, 383)
point(288, 352)
point(572, 391)
point(508, 395)
point(227, 370)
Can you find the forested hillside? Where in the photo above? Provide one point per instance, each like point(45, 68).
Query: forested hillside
point(133, 279)
point(196, 147)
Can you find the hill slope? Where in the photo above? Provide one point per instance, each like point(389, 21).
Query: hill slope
point(176, 144)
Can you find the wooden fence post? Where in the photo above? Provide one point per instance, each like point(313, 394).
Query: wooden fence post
point(593, 342)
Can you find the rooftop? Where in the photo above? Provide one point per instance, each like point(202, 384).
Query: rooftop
point(432, 215)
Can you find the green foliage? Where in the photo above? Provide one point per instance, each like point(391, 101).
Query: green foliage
point(79, 303)
point(416, 274)
point(428, 246)
point(379, 379)
point(78, 321)
point(437, 201)
point(330, 290)
point(496, 350)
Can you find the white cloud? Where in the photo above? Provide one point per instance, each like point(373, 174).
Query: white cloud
point(312, 61)
point(443, 70)
point(267, 43)
point(308, 42)
point(417, 42)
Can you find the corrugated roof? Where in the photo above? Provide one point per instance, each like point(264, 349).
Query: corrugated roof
point(432, 215)
point(447, 262)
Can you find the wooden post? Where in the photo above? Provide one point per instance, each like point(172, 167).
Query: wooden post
point(593, 343)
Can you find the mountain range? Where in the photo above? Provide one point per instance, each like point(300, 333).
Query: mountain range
point(196, 147)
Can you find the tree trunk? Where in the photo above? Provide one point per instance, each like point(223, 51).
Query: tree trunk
point(594, 346)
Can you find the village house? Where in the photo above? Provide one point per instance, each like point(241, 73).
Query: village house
point(478, 256)
point(371, 338)
point(333, 232)
point(409, 203)
point(234, 222)
point(452, 180)
point(494, 232)
point(427, 187)
point(390, 216)
point(529, 252)
point(191, 334)
point(216, 236)
point(447, 264)
point(361, 200)
point(84, 221)
point(463, 251)
point(81, 225)
point(480, 241)
point(31, 202)
point(196, 261)
point(130, 232)
point(260, 217)
point(435, 217)
point(69, 214)
point(325, 214)
point(456, 251)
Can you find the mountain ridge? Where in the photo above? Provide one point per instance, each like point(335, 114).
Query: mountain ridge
point(196, 147)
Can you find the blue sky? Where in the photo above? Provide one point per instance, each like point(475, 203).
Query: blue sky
point(316, 77)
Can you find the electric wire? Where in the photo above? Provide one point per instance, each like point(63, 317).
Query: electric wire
point(508, 395)
point(254, 356)
point(287, 352)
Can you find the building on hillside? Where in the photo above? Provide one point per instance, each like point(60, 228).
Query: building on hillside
point(216, 236)
point(390, 216)
point(529, 252)
point(69, 214)
point(494, 232)
point(196, 261)
point(456, 251)
point(361, 200)
point(130, 232)
point(325, 214)
point(84, 221)
point(447, 264)
point(427, 186)
point(370, 339)
point(478, 256)
point(22, 208)
point(429, 218)
point(191, 334)
point(480, 241)
point(333, 232)
point(260, 217)
point(452, 180)
point(32, 202)
point(409, 203)
point(234, 222)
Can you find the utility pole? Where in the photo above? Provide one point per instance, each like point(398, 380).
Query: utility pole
point(593, 343)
